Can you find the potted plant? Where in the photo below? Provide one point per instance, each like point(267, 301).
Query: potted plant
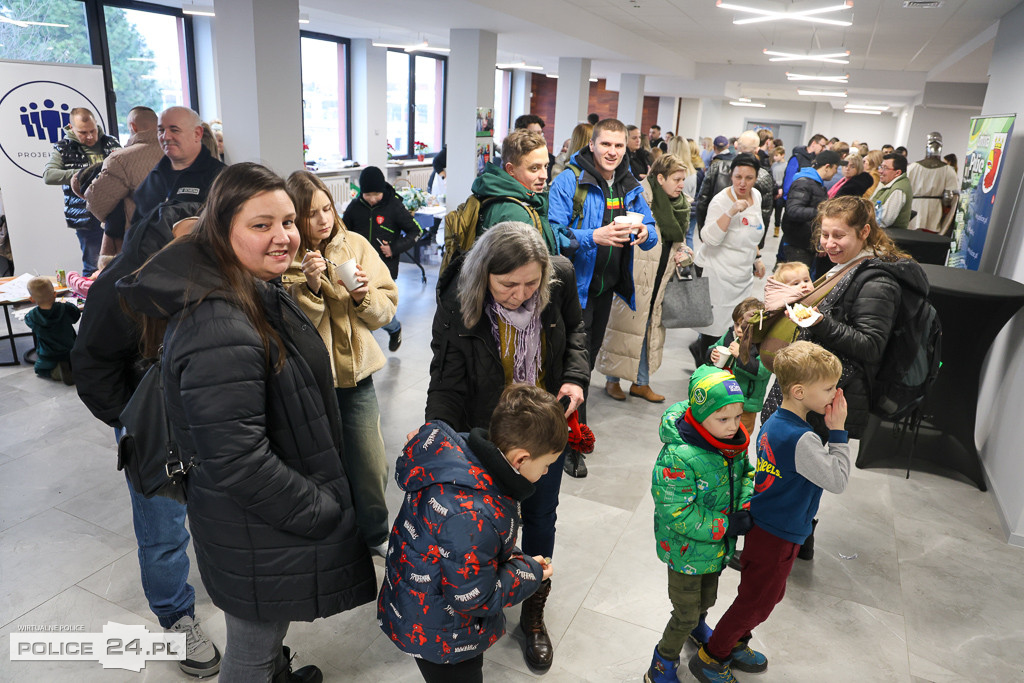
point(391, 151)
point(421, 148)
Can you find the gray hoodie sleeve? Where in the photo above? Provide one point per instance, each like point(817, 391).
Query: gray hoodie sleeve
point(826, 466)
point(54, 173)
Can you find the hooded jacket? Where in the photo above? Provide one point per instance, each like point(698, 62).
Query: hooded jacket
point(801, 159)
point(269, 504)
point(452, 564)
point(106, 354)
point(805, 194)
point(54, 329)
point(589, 254)
point(466, 375)
point(122, 172)
point(386, 221)
point(697, 481)
point(717, 177)
point(495, 181)
point(68, 157)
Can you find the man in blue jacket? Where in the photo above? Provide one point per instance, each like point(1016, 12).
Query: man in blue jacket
point(805, 194)
point(603, 259)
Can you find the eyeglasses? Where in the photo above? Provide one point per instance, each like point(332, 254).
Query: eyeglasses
point(886, 168)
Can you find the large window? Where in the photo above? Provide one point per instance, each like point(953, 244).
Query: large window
point(415, 95)
point(45, 31)
point(148, 61)
point(325, 101)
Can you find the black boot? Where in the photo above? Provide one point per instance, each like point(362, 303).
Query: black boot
point(283, 670)
point(537, 649)
point(575, 464)
point(806, 551)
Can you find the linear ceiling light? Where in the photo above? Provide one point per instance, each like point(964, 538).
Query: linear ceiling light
point(198, 10)
point(873, 107)
point(303, 17)
point(741, 103)
point(821, 93)
point(854, 110)
point(845, 78)
point(520, 65)
point(831, 58)
point(416, 47)
point(810, 15)
point(551, 75)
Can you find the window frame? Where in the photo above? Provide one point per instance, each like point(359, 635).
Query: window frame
point(412, 99)
point(347, 42)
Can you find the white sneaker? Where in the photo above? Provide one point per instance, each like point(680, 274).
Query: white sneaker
point(201, 656)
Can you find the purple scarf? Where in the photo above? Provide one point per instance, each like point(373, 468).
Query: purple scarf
point(525, 324)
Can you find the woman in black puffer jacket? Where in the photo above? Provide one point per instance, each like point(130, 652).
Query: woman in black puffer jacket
point(247, 382)
point(508, 288)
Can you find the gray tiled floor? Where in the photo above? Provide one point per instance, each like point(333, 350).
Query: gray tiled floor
point(934, 593)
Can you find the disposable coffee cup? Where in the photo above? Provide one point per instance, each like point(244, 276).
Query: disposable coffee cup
point(723, 356)
point(623, 220)
point(685, 261)
point(347, 272)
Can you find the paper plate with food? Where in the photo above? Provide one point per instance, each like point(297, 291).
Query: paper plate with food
point(804, 316)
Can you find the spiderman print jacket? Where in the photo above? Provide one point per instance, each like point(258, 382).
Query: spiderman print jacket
point(452, 564)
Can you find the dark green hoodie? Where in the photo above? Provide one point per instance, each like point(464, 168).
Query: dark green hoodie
point(496, 182)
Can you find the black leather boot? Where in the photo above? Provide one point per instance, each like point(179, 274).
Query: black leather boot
point(537, 649)
point(283, 670)
point(806, 551)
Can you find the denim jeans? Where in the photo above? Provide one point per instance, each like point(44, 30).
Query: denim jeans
point(253, 650)
point(394, 326)
point(693, 226)
point(364, 458)
point(643, 371)
point(160, 532)
point(540, 511)
point(90, 239)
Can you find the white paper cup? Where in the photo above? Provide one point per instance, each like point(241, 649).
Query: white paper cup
point(635, 217)
point(723, 356)
point(347, 272)
point(623, 220)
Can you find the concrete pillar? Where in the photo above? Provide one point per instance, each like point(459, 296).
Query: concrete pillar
point(690, 109)
point(471, 85)
point(573, 95)
point(522, 82)
point(668, 110)
point(631, 99)
point(369, 103)
point(257, 62)
point(710, 118)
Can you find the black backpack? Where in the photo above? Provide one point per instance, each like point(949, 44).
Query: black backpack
point(912, 356)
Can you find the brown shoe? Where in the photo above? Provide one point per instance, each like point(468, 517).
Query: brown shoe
point(614, 390)
point(537, 649)
point(776, 231)
point(646, 393)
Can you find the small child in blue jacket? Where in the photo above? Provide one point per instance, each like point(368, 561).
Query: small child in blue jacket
point(452, 564)
point(793, 467)
point(52, 322)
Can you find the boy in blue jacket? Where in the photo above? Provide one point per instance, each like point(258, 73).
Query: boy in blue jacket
point(452, 564)
point(793, 467)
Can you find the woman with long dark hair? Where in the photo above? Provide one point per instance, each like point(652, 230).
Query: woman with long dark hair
point(253, 412)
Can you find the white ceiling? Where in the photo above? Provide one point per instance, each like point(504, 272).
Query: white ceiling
point(691, 48)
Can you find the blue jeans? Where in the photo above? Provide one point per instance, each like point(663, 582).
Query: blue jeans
point(643, 371)
point(90, 239)
point(693, 226)
point(365, 461)
point(160, 532)
point(253, 650)
point(394, 326)
point(540, 511)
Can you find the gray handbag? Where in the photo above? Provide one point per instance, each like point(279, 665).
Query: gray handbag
point(687, 301)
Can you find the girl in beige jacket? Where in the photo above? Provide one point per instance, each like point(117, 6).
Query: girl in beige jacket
point(345, 320)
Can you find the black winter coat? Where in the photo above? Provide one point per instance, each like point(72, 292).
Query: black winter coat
point(801, 209)
point(164, 183)
point(466, 375)
point(717, 177)
point(856, 186)
point(269, 504)
point(387, 221)
point(106, 354)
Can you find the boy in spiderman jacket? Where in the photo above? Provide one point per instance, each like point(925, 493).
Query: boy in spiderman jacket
point(452, 564)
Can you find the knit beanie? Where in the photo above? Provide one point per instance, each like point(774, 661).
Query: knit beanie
point(372, 180)
point(711, 389)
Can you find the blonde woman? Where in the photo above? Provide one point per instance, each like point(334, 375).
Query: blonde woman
point(872, 161)
point(580, 138)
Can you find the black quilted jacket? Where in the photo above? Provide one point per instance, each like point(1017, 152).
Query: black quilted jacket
point(269, 504)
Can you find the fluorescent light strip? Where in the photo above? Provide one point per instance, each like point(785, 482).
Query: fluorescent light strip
point(519, 65)
point(827, 79)
point(872, 107)
point(821, 93)
point(737, 103)
point(808, 15)
point(873, 112)
point(198, 10)
point(831, 58)
point(303, 17)
point(551, 75)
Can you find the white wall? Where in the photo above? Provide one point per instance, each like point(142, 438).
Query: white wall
point(875, 130)
point(954, 124)
point(1000, 430)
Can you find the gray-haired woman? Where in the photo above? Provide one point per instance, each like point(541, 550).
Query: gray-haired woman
point(508, 312)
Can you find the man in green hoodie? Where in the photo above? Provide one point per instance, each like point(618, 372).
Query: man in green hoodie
point(516, 190)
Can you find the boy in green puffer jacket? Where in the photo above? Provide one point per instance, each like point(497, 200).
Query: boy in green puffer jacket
point(702, 484)
point(752, 375)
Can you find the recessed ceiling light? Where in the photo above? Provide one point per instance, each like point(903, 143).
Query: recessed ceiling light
point(845, 78)
point(831, 58)
point(821, 93)
point(809, 15)
point(303, 17)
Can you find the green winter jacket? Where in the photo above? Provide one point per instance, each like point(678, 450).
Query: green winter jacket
point(691, 493)
point(753, 384)
point(496, 182)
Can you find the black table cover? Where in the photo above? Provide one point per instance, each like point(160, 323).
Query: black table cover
point(925, 247)
point(973, 307)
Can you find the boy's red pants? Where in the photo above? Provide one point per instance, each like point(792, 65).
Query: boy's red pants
point(766, 562)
